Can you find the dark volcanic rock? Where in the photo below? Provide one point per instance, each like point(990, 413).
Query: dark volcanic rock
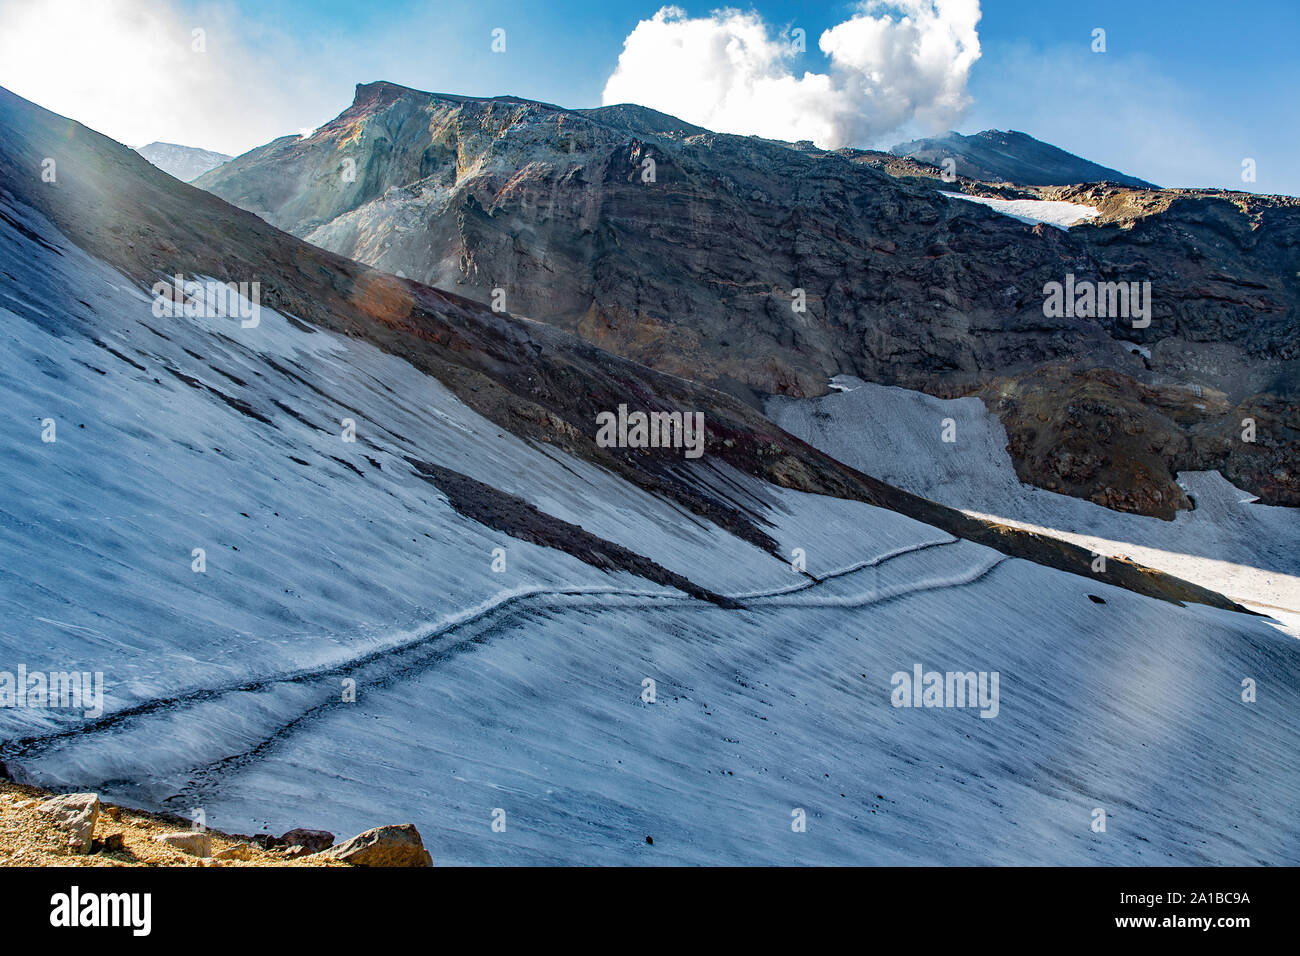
point(312, 841)
point(694, 273)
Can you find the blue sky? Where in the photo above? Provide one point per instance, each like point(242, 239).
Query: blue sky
point(1184, 92)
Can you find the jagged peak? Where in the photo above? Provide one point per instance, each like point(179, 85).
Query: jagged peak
point(380, 93)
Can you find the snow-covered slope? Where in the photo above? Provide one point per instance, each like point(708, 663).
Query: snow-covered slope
point(1249, 551)
point(523, 691)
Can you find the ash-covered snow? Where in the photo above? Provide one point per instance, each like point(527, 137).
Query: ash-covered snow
point(522, 691)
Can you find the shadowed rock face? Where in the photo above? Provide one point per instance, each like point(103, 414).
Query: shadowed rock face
point(695, 273)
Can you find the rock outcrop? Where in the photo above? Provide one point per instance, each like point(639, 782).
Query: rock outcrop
point(36, 826)
point(398, 845)
point(312, 841)
point(193, 842)
point(240, 851)
point(75, 814)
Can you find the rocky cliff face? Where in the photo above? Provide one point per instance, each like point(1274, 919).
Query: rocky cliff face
point(761, 267)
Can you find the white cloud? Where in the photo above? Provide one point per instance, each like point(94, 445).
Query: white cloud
point(129, 69)
point(890, 65)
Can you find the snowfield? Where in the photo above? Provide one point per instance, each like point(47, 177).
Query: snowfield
point(333, 564)
point(1062, 215)
point(1248, 551)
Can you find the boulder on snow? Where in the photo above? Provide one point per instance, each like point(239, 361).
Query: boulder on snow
point(312, 840)
point(74, 814)
point(193, 842)
point(398, 845)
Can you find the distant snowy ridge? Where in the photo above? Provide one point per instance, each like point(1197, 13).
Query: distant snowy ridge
point(186, 163)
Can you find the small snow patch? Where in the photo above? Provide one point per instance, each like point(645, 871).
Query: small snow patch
point(1062, 215)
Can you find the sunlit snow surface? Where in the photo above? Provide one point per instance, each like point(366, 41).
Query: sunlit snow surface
point(522, 691)
point(1249, 551)
point(1063, 215)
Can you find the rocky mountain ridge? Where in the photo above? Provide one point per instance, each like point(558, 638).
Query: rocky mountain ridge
point(1012, 157)
point(765, 268)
